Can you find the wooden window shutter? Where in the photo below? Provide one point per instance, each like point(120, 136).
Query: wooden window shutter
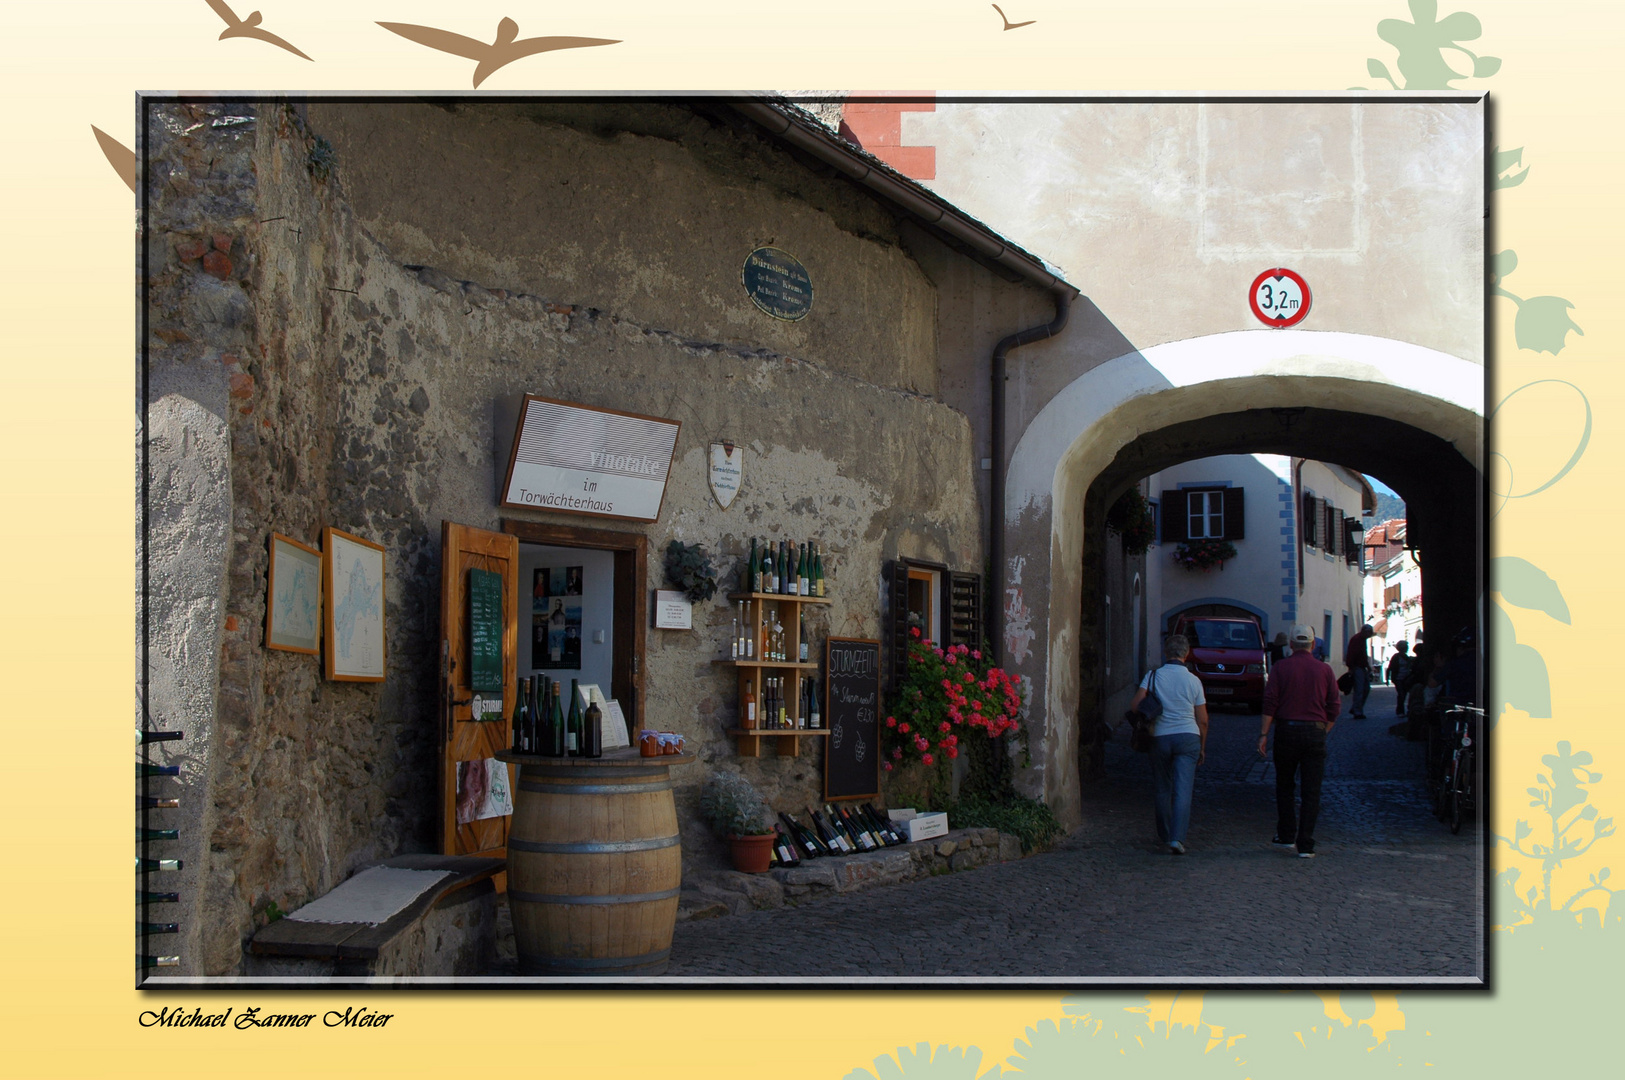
point(897, 628)
point(1176, 517)
point(966, 621)
point(1308, 519)
point(1235, 514)
point(1351, 548)
point(1324, 542)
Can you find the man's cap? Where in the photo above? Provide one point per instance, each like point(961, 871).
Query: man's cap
point(1302, 635)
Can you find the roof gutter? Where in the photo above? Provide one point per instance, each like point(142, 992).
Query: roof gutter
point(813, 138)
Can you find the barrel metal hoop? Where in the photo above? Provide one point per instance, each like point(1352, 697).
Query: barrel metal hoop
point(567, 898)
point(564, 965)
point(558, 772)
point(591, 847)
point(592, 789)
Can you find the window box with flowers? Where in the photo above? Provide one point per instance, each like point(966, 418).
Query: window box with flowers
point(952, 703)
point(1204, 555)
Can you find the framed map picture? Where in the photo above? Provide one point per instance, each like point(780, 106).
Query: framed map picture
point(353, 575)
point(293, 597)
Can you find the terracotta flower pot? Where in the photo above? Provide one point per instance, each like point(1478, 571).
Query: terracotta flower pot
point(752, 854)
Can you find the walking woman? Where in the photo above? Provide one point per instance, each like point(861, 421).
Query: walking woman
point(1179, 742)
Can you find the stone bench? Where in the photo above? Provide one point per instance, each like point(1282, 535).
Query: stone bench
point(447, 928)
point(733, 893)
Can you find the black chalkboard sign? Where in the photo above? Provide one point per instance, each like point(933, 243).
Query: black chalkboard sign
point(852, 712)
point(484, 630)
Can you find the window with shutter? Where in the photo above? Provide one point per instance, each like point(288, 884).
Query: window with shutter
point(1311, 535)
point(1208, 513)
point(897, 620)
point(966, 619)
point(1235, 514)
point(1174, 519)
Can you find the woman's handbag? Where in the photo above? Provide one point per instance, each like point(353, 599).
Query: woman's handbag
point(1144, 718)
point(1345, 682)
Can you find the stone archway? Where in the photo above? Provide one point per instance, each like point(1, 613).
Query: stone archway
point(1413, 416)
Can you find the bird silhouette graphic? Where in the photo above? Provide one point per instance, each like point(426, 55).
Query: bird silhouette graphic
point(248, 28)
point(121, 157)
point(1008, 25)
point(500, 53)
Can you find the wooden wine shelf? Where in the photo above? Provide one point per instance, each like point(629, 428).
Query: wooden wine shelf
point(750, 739)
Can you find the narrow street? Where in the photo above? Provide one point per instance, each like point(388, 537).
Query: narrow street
point(1391, 895)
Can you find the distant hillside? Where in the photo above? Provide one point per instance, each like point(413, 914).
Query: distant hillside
point(1388, 508)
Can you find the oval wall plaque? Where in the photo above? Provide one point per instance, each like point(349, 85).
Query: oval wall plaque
point(778, 284)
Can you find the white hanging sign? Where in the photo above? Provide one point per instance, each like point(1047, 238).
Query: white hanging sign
point(585, 460)
point(727, 470)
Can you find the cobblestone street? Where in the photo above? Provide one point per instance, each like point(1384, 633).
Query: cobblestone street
point(1392, 894)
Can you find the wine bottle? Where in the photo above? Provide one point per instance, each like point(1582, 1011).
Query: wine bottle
point(753, 571)
point(157, 834)
point(157, 736)
point(818, 572)
point(572, 738)
point(143, 768)
point(814, 719)
point(750, 634)
point(785, 848)
point(769, 576)
point(521, 717)
point(831, 837)
point(885, 822)
point(858, 836)
point(145, 928)
point(875, 838)
point(840, 826)
point(804, 574)
point(733, 641)
point(144, 897)
point(558, 737)
point(144, 866)
point(157, 961)
point(148, 802)
point(810, 843)
point(801, 633)
point(785, 569)
point(747, 707)
point(593, 729)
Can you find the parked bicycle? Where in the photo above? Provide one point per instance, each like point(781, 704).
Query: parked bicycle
point(1458, 789)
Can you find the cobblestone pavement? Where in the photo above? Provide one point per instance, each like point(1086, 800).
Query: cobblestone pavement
point(1391, 895)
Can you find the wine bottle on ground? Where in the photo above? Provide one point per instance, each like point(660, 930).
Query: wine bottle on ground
point(157, 834)
point(880, 838)
point(852, 838)
point(785, 848)
point(831, 837)
point(157, 736)
point(144, 897)
point(886, 823)
point(855, 834)
point(809, 843)
point(593, 729)
point(158, 961)
point(148, 802)
point(143, 768)
point(146, 866)
point(145, 928)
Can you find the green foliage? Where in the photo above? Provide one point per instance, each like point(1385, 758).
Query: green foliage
point(950, 698)
point(733, 807)
point(689, 569)
point(1032, 821)
point(272, 912)
point(1130, 517)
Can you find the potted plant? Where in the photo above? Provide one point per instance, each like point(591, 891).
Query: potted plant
point(688, 569)
point(737, 811)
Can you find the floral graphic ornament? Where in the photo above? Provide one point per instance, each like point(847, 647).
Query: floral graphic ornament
point(1422, 46)
point(1563, 788)
point(1542, 323)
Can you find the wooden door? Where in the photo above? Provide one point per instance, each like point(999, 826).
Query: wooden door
point(464, 548)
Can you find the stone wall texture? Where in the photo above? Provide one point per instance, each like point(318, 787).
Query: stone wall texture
point(346, 297)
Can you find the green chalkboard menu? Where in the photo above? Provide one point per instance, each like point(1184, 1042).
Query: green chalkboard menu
point(851, 711)
point(484, 630)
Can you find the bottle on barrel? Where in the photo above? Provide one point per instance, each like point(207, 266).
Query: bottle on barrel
point(521, 718)
point(593, 728)
point(572, 731)
point(556, 740)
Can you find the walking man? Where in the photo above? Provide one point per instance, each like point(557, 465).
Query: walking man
point(1358, 658)
point(1301, 696)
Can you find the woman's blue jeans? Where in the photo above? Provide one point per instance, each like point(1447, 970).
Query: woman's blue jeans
point(1173, 774)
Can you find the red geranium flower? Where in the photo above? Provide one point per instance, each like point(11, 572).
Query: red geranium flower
point(928, 759)
point(891, 721)
point(953, 751)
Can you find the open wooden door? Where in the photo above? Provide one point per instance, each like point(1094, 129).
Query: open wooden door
point(467, 554)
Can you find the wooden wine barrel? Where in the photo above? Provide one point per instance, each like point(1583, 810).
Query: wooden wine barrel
point(594, 864)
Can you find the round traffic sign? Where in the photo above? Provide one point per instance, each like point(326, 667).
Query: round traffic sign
point(1279, 297)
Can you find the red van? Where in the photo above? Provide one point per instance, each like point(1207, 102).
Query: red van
point(1227, 654)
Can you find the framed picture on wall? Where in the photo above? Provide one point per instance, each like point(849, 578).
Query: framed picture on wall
point(293, 597)
point(556, 617)
point(353, 574)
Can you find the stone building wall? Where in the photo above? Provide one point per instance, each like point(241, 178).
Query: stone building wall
point(346, 298)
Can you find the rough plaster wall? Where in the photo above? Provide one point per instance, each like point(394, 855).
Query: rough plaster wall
point(364, 392)
point(644, 210)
